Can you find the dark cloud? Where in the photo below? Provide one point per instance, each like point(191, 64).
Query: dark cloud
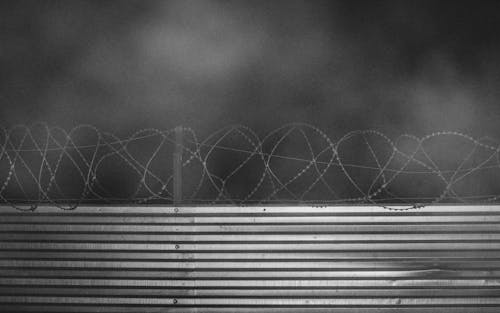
point(393, 65)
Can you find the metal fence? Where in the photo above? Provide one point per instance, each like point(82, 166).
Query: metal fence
point(250, 259)
point(166, 221)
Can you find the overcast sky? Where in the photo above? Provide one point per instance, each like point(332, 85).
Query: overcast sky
point(396, 66)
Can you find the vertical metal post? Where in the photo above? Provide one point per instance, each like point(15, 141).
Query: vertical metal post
point(177, 177)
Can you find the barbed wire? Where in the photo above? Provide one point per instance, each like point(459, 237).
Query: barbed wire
point(294, 164)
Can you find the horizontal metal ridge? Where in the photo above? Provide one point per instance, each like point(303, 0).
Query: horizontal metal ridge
point(242, 309)
point(368, 209)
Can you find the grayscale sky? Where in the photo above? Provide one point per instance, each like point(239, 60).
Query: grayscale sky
point(396, 66)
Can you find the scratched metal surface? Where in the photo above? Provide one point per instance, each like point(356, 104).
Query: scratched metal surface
point(250, 259)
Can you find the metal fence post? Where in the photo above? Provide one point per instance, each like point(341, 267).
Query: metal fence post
point(177, 165)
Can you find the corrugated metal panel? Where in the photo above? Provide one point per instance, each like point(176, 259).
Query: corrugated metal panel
point(250, 259)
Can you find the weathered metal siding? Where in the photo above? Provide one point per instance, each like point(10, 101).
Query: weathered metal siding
point(250, 259)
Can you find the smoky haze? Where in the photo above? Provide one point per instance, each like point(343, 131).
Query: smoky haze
point(397, 66)
point(394, 66)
